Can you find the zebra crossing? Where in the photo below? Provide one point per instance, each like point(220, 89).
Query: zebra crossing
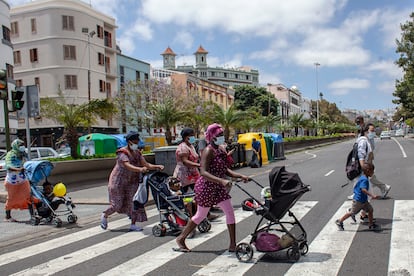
point(328, 242)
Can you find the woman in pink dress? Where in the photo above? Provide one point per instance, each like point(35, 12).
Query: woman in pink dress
point(124, 181)
point(210, 188)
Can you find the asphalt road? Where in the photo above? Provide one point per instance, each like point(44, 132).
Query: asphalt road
point(85, 249)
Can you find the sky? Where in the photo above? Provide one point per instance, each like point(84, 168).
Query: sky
point(353, 41)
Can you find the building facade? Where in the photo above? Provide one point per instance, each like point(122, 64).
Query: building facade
point(65, 48)
point(226, 77)
point(290, 99)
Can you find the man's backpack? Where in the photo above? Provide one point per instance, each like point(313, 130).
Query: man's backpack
point(353, 168)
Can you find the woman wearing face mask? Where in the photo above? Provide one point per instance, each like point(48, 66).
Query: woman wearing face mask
point(16, 183)
point(124, 181)
point(210, 188)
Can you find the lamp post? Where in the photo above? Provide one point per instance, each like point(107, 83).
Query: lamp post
point(90, 34)
point(317, 96)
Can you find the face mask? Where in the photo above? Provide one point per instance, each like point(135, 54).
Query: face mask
point(219, 140)
point(133, 146)
point(371, 135)
point(191, 140)
point(22, 148)
point(358, 127)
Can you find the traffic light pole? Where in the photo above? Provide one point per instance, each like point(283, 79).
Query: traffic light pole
point(6, 125)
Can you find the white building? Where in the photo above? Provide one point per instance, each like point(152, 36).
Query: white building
point(64, 45)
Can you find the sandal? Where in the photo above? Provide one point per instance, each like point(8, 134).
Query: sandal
point(181, 249)
point(10, 220)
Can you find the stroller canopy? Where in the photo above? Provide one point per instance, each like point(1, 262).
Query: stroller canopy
point(37, 171)
point(283, 182)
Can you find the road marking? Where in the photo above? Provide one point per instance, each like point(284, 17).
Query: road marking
point(401, 148)
point(312, 155)
point(328, 250)
point(230, 265)
point(64, 240)
point(329, 173)
point(159, 256)
point(63, 262)
point(401, 260)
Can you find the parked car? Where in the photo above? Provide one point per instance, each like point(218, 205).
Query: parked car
point(400, 132)
point(36, 153)
point(385, 135)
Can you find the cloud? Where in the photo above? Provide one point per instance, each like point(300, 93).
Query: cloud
point(384, 67)
point(184, 38)
point(343, 87)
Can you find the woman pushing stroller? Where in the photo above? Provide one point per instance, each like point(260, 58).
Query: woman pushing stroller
point(210, 188)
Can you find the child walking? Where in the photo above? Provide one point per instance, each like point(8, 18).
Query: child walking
point(360, 201)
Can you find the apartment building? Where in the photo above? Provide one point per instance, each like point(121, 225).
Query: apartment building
point(227, 77)
point(64, 47)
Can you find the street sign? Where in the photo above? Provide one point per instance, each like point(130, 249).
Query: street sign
point(32, 101)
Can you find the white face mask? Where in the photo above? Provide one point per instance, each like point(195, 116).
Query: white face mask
point(22, 148)
point(219, 140)
point(133, 146)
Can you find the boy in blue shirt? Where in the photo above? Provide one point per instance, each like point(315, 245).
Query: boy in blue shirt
point(360, 201)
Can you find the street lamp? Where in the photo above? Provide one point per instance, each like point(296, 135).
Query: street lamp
point(89, 34)
point(317, 96)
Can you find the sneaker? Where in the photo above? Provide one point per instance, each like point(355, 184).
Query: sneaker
point(340, 225)
point(374, 227)
point(135, 228)
point(385, 193)
point(104, 222)
point(352, 215)
point(351, 197)
point(365, 219)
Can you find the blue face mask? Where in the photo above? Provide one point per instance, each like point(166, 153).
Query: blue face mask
point(133, 146)
point(219, 140)
point(191, 140)
point(371, 135)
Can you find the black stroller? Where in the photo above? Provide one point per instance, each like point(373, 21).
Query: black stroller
point(286, 189)
point(43, 206)
point(173, 216)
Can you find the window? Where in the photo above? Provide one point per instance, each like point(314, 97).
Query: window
point(17, 58)
point(37, 83)
point(137, 76)
point(101, 86)
point(14, 28)
point(67, 23)
point(33, 55)
point(108, 88)
point(225, 75)
point(107, 65)
point(108, 39)
point(6, 34)
point(213, 74)
point(9, 69)
point(101, 59)
point(71, 82)
point(69, 52)
point(33, 25)
point(99, 31)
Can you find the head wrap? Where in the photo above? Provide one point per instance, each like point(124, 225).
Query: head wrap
point(359, 119)
point(16, 144)
point(212, 131)
point(132, 135)
point(186, 132)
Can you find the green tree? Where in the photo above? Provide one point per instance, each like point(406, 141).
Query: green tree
point(73, 116)
point(404, 88)
point(297, 121)
point(228, 118)
point(247, 97)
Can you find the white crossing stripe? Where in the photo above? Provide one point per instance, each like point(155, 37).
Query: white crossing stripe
point(329, 242)
point(87, 253)
point(64, 240)
point(164, 253)
point(401, 260)
point(230, 265)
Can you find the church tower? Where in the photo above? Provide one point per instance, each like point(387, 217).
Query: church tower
point(201, 57)
point(168, 59)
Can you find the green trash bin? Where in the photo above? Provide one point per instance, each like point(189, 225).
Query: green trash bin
point(269, 146)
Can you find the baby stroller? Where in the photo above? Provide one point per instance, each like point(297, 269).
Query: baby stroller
point(173, 216)
point(43, 206)
point(286, 189)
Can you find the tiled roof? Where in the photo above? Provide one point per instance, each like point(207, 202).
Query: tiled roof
point(201, 50)
point(168, 51)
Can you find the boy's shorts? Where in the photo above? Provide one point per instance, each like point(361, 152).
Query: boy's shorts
point(358, 206)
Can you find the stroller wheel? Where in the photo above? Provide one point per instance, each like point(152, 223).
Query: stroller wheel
point(304, 248)
point(204, 226)
point(244, 252)
point(34, 220)
point(49, 219)
point(158, 231)
point(57, 222)
point(293, 254)
point(72, 218)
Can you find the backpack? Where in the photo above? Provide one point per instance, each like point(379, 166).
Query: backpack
point(353, 168)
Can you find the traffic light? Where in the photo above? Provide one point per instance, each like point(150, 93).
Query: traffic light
point(3, 85)
point(17, 96)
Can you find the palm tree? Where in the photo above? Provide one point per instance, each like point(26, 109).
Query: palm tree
point(72, 116)
point(268, 122)
point(167, 114)
point(228, 118)
point(297, 121)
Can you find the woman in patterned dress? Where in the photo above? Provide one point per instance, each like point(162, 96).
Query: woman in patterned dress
point(210, 188)
point(124, 181)
point(16, 183)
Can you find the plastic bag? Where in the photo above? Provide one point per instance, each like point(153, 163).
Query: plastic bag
point(267, 242)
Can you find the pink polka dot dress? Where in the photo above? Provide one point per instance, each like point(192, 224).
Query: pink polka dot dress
point(207, 193)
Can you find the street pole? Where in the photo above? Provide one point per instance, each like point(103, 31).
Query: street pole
point(6, 125)
point(317, 97)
